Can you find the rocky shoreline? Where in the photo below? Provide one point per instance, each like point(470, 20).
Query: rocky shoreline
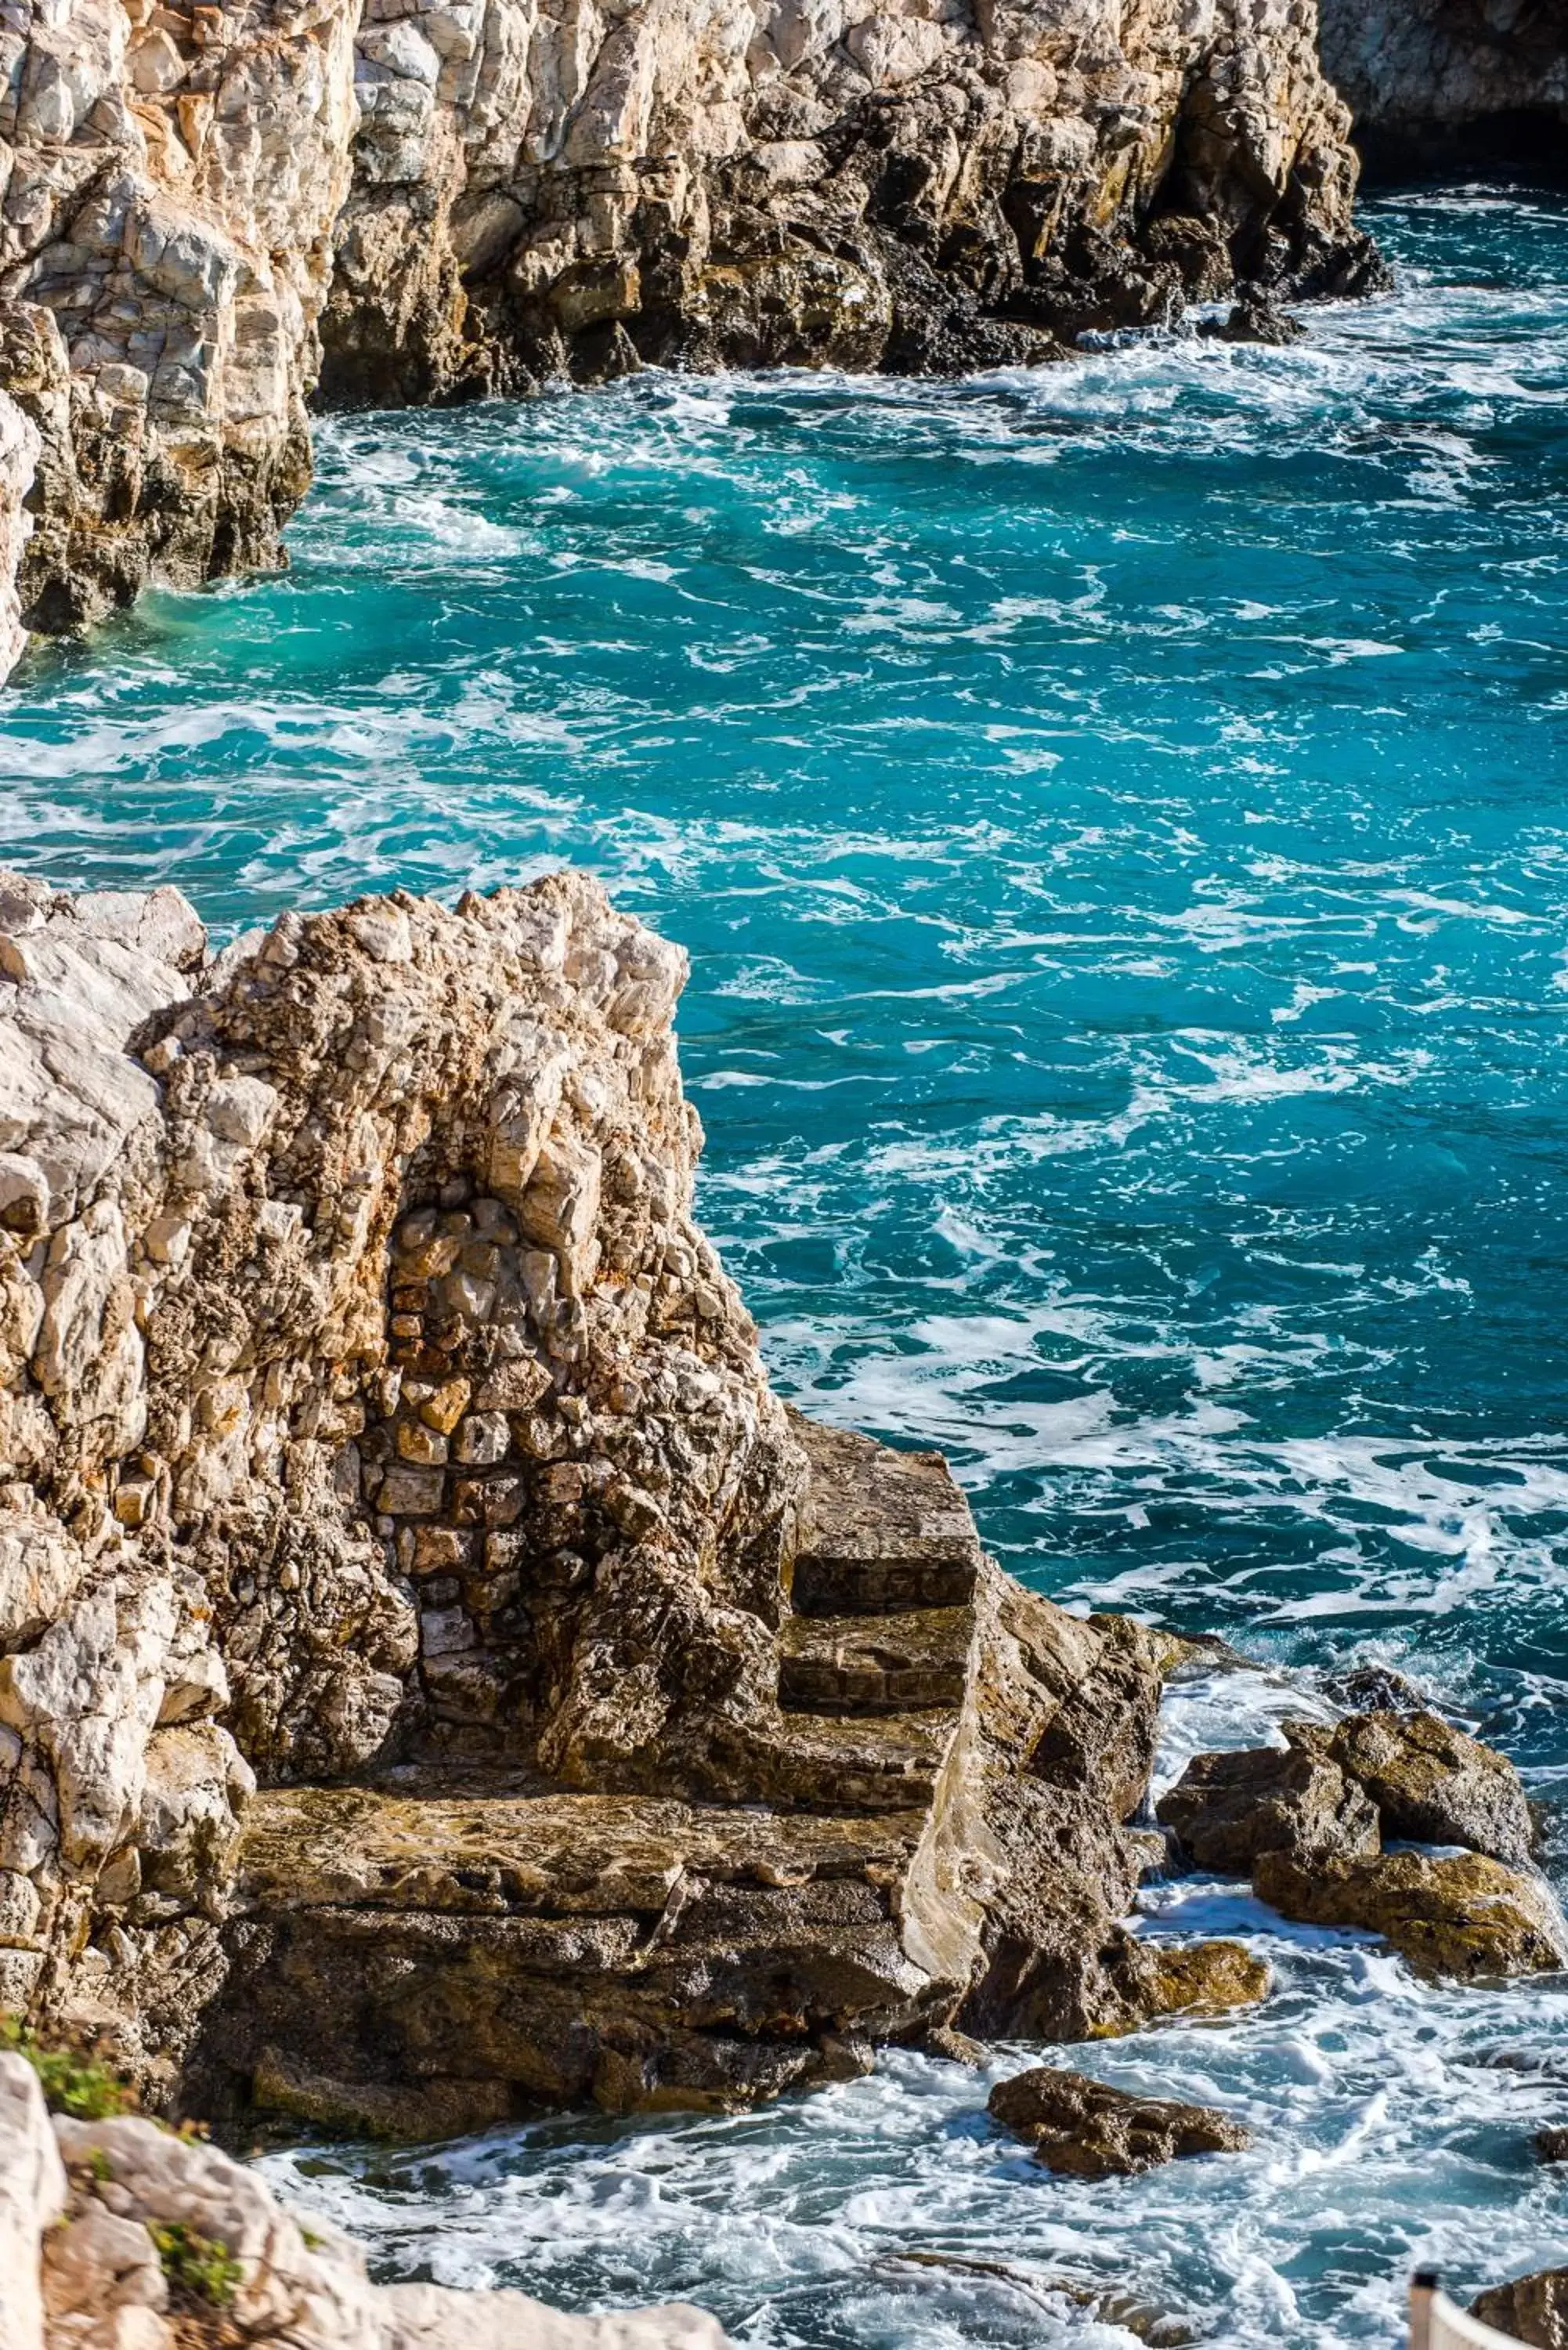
point(438, 1677)
point(215, 213)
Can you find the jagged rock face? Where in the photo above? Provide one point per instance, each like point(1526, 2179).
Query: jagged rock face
point(366, 1379)
point(773, 182)
point(171, 175)
point(1448, 84)
point(1532, 2309)
point(373, 1411)
point(500, 194)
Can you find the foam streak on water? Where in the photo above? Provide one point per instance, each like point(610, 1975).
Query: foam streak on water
point(1118, 817)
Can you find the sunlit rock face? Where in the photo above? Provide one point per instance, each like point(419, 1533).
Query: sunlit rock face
point(434, 1668)
point(1453, 86)
point(206, 207)
point(764, 182)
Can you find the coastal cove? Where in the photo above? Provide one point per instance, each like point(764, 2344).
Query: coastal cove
point(1115, 817)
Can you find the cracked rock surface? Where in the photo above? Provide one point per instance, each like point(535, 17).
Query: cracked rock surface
point(209, 205)
point(435, 1669)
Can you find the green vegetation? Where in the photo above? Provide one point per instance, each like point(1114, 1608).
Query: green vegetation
point(201, 2266)
point(73, 2083)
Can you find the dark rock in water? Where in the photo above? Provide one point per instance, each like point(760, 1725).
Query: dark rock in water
point(1433, 1783)
point(1227, 1810)
point(1376, 1688)
point(1532, 2309)
point(1110, 2305)
point(1081, 2129)
point(1552, 2144)
point(1256, 320)
point(1464, 1916)
point(1121, 1984)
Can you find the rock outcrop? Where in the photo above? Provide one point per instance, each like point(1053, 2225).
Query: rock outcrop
point(172, 177)
point(1308, 1821)
point(1532, 2309)
point(1459, 1916)
point(1080, 2128)
point(1340, 1792)
point(1453, 86)
point(1227, 1809)
point(435, 1670)
point(207, 206)
point(118, 2235)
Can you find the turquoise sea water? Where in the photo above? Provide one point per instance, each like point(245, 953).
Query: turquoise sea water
point(1118, 817)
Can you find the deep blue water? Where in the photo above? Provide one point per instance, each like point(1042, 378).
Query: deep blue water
point(1117, 815)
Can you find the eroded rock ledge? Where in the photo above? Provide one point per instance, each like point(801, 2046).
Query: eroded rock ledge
point(1452, 86)
point(435, 1670)
point(205, 206)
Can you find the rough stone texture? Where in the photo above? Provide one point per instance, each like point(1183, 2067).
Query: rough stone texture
point(1228, 1809)
point(770, 181)
point(1082, 2129)
point(97, 2283)
point(1433, 1784)
point(171, 175)
point(1469, 1919)
point(1444, 85)
point(1532, 2309)
point(498, 194)
point(372, 1411)
point(32, 2197)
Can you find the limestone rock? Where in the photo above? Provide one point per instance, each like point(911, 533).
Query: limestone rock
point(427, 201)
point(1466, 1918)
point(1532, 2309)
point(1434, 1785)
point(1227, 1809)
point(32, 2197)
point(1138, 1982)
point(379, 1426)
point(1082, 2129)
point(99, 2283)
point(1454, 83)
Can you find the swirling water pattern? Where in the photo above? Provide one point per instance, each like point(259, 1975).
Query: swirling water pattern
point(1116, 817)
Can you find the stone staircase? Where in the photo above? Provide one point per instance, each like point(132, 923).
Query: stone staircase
point(435, 1947)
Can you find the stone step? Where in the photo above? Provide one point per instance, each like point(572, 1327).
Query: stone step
point(546, 1944)
point(883, 1532)
point(859, 1664)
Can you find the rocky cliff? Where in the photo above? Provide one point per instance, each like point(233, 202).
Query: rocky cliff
point(205, 205)
point(433, 1667)
point(1448, 85)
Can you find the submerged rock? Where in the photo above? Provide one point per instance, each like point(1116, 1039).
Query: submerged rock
point(1082, 2129)
point(1532, 2309)
point(1465, 1917)
point(1227, 1809)
point(1552, 2144)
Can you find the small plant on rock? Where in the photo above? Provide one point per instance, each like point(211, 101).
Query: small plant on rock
point(73, 2083)
point(202, 2267)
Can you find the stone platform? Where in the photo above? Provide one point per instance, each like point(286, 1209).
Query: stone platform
point(442, 1944)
